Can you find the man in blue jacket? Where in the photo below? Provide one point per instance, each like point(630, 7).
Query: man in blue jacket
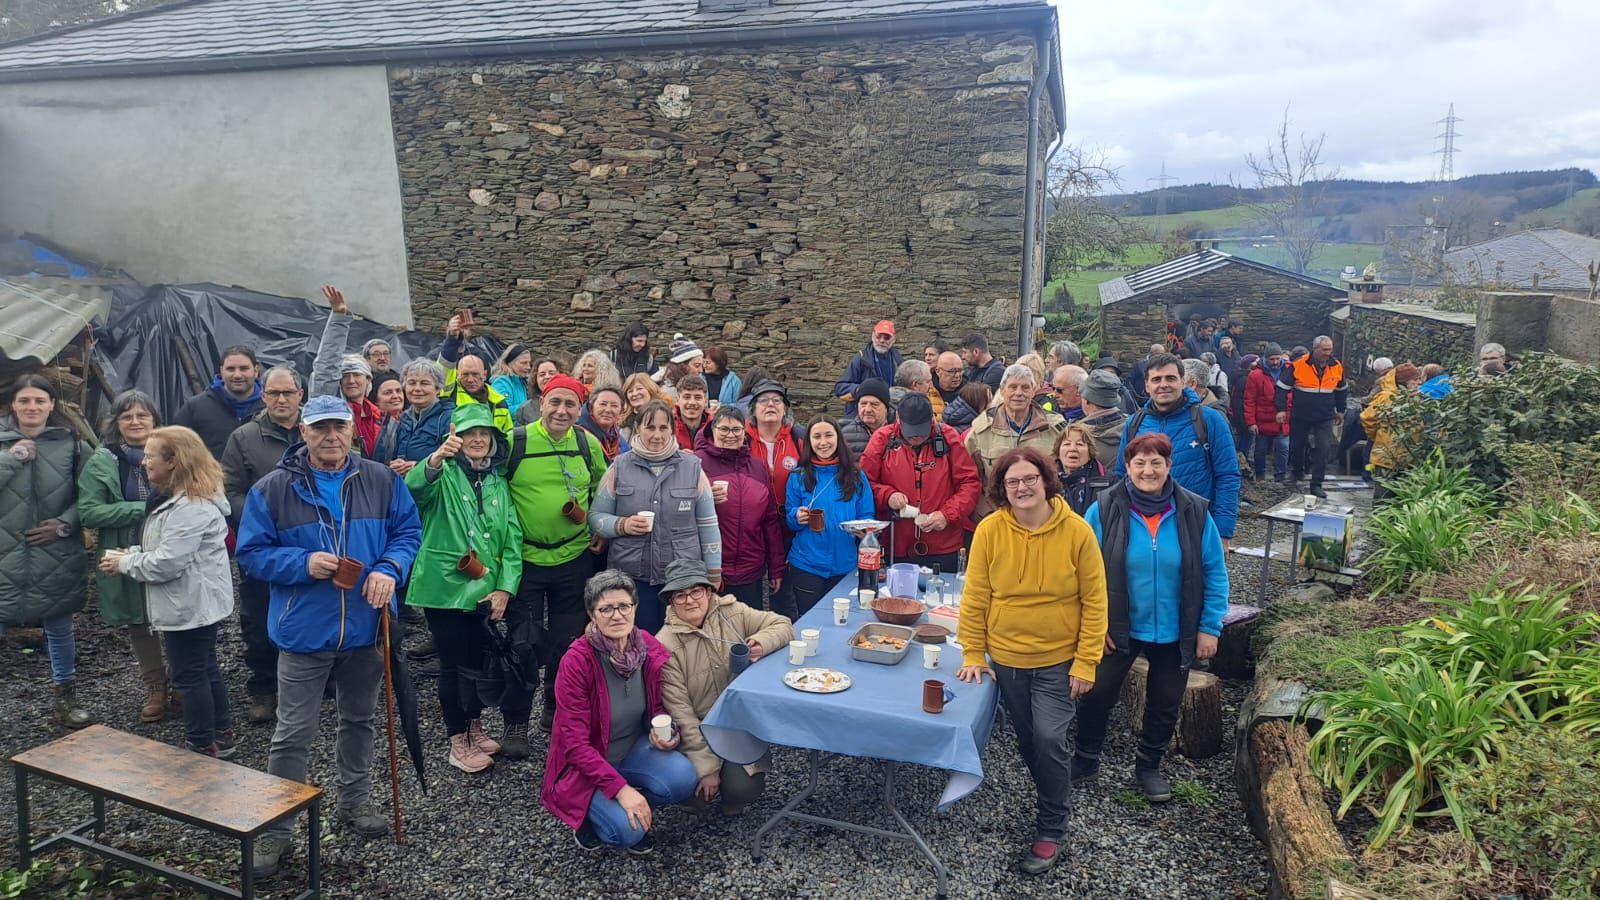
point(1207, 464)
point(318, 512)
point(879, 359)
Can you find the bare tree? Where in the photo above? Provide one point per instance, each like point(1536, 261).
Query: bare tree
point(1080, 227)
point(1291, 185)
point(26, 18)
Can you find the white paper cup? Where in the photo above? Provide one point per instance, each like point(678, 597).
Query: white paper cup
point(661, 727)
point(813, 639)
point(841, 610)
point(865, 596)
point(909, 512)
point(797, 652)
point(1311, 501)
point(930, 655)
point(649, 518)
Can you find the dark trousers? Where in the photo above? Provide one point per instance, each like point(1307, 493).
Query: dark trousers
point(462, 641)
point(1279, 445)
point(259, 654)
point(550, 601)
point(1163, 695)
point(1040, 705)
point(801, 591)
point(749, 594)
point(652, 612)
point(192, 658)
point(1309, 447)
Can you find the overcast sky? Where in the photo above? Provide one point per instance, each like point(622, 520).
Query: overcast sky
point(1197, 84)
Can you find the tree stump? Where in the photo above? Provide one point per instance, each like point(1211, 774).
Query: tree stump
point(1286, 806)
point(1199, 734)
point(1234, 659)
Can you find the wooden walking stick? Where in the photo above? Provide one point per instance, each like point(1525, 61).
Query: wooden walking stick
point(388, 701)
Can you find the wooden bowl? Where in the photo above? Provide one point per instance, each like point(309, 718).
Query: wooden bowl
point(898, 610)
point(930, 634)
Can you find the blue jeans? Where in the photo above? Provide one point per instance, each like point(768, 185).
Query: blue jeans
point(192, 657)
point(664, 777)
point(63, 651)
point(1280, 454)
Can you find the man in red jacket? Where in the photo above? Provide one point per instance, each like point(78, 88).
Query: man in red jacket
point(1260, 416)
point(923, 464)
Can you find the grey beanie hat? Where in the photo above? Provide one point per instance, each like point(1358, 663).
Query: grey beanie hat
point(1100, 389)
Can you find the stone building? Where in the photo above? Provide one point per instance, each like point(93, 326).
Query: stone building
point(1275, 304)
point(768, 175)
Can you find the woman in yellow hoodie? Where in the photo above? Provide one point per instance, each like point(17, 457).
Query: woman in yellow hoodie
point(1035, 604)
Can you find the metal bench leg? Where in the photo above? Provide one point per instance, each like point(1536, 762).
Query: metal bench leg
point(24, 839)
point(1266, 567)
point(247, 865)
point(99, 815)
point(314, 851)
point(911, 833)
point(814, 758)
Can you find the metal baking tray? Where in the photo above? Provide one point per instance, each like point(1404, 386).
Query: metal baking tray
point(887, 656)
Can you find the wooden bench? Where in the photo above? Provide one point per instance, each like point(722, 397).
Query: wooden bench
point(180, 784)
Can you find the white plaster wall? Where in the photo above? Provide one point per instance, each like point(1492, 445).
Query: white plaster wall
point(279, 181)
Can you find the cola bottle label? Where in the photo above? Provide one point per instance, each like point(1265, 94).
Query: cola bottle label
point(870, 558)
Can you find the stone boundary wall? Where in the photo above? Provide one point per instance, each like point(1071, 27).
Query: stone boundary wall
point(1273, 309)
point(1563, 324)
point(1409, 334)
point(772, 200)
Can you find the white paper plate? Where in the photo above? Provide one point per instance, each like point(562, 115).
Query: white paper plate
point(816, 680)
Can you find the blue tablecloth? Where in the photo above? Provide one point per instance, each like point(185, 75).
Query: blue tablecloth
point(879, 717)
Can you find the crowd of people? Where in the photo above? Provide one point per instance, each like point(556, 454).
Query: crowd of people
point(630, 519)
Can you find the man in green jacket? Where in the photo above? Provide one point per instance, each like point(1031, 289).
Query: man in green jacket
point(470, 562)
point(553, 470)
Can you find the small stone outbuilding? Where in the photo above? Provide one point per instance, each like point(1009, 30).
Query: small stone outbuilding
point(1275, 304)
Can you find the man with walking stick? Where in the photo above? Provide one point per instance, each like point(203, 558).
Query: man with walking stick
point(333, 535)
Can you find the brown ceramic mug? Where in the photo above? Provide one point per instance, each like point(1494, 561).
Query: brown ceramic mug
point(466, 317)
point(348, 573)
point(933, 696)
point(573, 511)
point(817, 518)
point(470, 566)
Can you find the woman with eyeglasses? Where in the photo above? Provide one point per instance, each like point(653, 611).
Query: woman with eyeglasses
point(607, 772)
point(826, 485)
point(1033, 618)
point(701, 627)
point(747, 513)
point(1167, 583)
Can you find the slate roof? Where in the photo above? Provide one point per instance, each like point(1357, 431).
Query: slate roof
point(1559, 258)
point(1173, 271)
point(234, 34)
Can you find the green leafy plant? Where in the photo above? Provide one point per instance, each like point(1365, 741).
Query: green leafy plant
point(1435, 477)
point(1420, 537)
point(1392, 738)
point(1131, 799)
point(1535, 811)
point(1194, 793)
point(16, 883)
point(1551, 518)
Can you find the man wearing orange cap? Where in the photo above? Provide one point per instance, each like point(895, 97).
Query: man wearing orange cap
point(878, 359)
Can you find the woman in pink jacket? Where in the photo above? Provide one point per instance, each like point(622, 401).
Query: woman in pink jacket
point(753, 555)
point(607, 773)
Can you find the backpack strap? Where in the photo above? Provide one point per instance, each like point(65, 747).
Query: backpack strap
point(519, 449)
point(1197, 420)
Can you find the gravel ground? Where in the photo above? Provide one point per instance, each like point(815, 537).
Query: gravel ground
point(486, 836)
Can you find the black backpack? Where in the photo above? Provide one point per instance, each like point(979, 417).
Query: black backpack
point(519, 451)
point(1197, 419)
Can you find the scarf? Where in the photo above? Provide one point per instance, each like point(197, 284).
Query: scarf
point(1152, 504)
point(661, 455)
point(625, 663)
point(135, 484)
point(241, 408)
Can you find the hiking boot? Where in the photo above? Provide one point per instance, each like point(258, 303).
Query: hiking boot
point(586, 838)
point(366, 820)
point(1317, 491)
point(1151, 784)
point(1084, 770)
point(466, 756)
point(1041, 858)
point(263, 709)
point(515, 745)
point(271, 852)
point(155, 701)
point(226, 744)
point(175, 703)
point(645, 847)
point(425, 668)
point(547, 716)
point(424, 649)
point(67, 711)
point(480, 740)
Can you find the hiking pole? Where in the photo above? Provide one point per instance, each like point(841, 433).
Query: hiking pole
point(388, 701)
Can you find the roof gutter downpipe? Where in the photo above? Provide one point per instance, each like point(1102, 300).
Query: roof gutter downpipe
point(1032, 231)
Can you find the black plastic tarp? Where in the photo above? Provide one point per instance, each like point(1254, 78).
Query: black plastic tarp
point(139, 347)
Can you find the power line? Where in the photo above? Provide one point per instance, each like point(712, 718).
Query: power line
point(1161, 189)
point(1447, 153)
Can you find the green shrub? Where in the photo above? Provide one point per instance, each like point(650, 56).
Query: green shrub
point(1435, 477)
point(1420, 537)
point(1532, 520)
point(1325, 661)
point(1536, 811)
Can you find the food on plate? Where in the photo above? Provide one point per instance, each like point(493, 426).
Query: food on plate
point(878, 642)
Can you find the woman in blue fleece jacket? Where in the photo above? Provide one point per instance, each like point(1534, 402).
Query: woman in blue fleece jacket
point(828, 481)
point(1167, 590)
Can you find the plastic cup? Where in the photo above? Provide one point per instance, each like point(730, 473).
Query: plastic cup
point(649, 520)
point(738, 657)
point(930, 655)
point(841, 610)
point(865, 596)
point(797, 653)
point(813, 639)
point(661, 727)
point(720, 489)
point(1310, 501)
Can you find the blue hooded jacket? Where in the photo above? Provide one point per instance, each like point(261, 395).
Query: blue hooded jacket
point(415, 436)
point(1218, 481)
point(285, 521)
point(830, 552)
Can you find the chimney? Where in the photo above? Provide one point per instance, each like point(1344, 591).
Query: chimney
point(733, 5)
point(1366, 287)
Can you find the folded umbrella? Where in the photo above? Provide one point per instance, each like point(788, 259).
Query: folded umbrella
point(399, 692)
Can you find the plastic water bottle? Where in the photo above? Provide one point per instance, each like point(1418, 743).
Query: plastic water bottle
point(960, 586)
point(938, 590)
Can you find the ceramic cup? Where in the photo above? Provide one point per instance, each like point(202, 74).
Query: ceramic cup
point(348, 574)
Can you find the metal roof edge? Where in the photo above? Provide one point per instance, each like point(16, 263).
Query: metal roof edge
point(1027, 16)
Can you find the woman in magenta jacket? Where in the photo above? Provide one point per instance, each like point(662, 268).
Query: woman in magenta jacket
point(607, 774)
point(747, 513)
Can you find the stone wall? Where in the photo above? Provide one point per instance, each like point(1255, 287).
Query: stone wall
point(773, 200)
point(1414, 334)
point(1273, 308)
point(1565, 324)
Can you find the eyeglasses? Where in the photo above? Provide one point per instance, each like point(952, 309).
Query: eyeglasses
point(769, 401)
point(281, 395)
point(698, 592)
point(1025, 481)
point(614, 609)
point(730, 431)
point(949, 371)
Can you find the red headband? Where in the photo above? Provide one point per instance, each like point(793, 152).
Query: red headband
point(569, 383)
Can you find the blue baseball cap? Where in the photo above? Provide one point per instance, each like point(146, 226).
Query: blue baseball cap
point(325, 409)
